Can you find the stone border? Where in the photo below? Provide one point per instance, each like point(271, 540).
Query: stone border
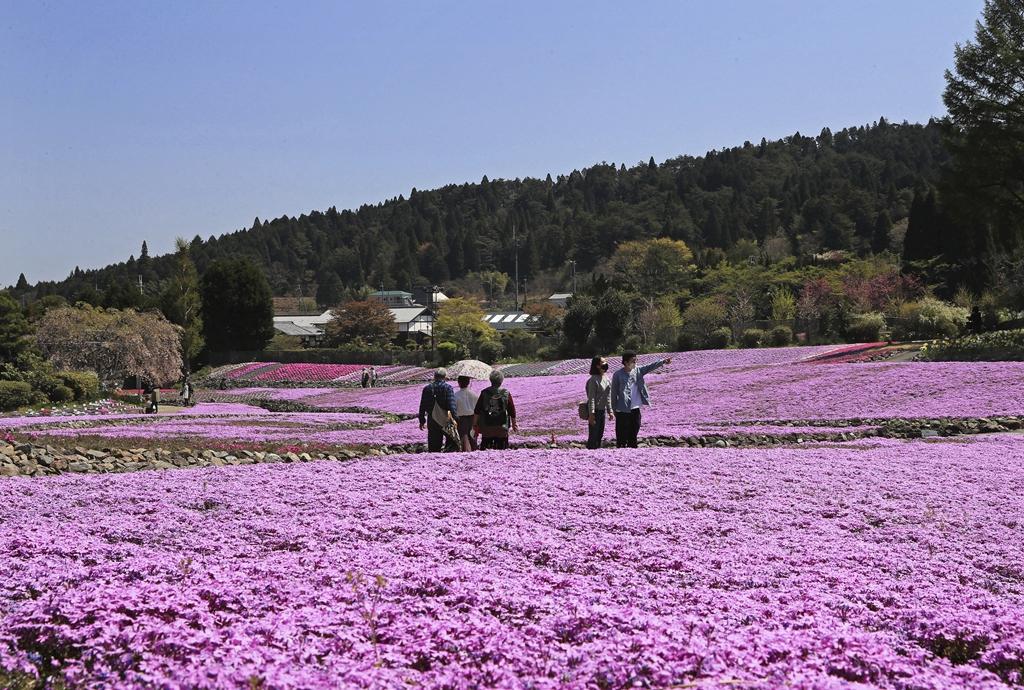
point(31, 460)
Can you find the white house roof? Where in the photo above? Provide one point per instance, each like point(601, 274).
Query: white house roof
point(407, 314)
point(291, 328)
point(306, 321)
point(560, 296)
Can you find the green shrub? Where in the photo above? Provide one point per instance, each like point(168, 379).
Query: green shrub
point(720, 338)
point(448, 352)
point(61, 394)
point(685, 342)
point(44, 381)
point(866, 328)
point(780, 336)
point(84, 384)
point(752, 337)
point(491, 351)
point(15, 394)
point(548, 353)
point(929, 319)
point(997, 346)
point(632, 343)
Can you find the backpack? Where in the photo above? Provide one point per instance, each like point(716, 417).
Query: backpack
point(496, 410)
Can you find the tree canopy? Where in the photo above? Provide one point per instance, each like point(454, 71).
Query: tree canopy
point(362, 323)
point(115, 344)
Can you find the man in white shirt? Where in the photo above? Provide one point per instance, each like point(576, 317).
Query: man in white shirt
point(465, 404)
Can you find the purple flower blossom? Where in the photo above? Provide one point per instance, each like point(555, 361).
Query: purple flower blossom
point(875, 564)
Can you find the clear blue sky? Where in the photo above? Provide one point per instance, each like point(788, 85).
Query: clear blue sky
point(124, 121)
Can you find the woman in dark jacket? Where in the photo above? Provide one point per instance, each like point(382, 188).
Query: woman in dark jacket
point(599, 401)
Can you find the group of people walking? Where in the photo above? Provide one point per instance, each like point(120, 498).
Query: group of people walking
point(464, 420)
point(455, 420)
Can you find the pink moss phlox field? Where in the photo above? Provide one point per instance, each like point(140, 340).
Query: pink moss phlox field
point(884, 564)
point(198, 410)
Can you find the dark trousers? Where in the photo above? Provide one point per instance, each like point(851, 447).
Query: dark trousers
point(494, 443)
point(596, 433)
point(435, 437)
point(627, 426)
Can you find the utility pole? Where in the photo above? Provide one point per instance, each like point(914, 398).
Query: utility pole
point(140, 283)
point(572, 262)
point(433, 320)
point(515, 243)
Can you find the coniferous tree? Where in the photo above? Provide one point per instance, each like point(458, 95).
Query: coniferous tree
point(329, 290)
point(14, 329)
point(182, 305)
point(985, 98)
point(922, 239)
point(237, 309)
point(880, 236)
point(22, 284)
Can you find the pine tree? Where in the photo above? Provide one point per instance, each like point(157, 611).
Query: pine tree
point(22, 285)
point(713, 233)
point(921, 242)
point(237, 309)
point(329, 290)
point(880, 236)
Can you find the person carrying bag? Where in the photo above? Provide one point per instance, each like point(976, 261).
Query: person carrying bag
point(598, 406)
point(437, 412)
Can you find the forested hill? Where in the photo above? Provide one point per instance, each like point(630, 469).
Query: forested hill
point(801, 194)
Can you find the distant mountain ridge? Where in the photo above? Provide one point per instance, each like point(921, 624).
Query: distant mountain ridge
point(801, 194)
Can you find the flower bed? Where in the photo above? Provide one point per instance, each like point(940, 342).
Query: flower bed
point(699, 388)
point(884, 564)
point(306, 372)
point(245, 371)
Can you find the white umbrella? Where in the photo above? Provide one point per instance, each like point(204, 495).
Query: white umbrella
point(473, 368)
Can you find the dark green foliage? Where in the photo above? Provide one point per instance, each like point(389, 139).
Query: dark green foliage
point(982, 347)
point(921, 241)
point(578, 323)
point(237, 310)
point(866, 328)
point(880, 235)
point(752, 337)
point(780, 336)
point(14, 329)
point(448, 352)
point(61, 394)
point(84, 385)
point(14, 394)
point(123, 294)
point(985, 98)
point(720, 338)
point(181, 303)
point(491, 351)
point(22, 284)
point(611, 319)
point(330, 290)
